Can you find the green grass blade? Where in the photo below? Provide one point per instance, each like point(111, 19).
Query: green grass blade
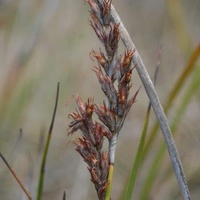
point(176, 13)
point(43, 164)
point(173, 94)
point(137, 161)
point(157, 162)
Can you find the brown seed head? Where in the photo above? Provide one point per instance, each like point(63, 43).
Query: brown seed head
point(127, 58)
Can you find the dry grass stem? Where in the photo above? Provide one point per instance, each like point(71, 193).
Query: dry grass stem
point(158, 110)
point(16, 177)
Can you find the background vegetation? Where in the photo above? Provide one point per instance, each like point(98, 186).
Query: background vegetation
point(43, 42)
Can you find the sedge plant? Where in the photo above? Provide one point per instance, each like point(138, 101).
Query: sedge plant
point(114, 75)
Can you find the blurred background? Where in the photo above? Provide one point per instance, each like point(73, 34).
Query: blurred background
point(43, 42)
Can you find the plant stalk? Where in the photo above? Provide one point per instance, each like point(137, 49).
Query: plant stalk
point(110, 179)
point(155, 102)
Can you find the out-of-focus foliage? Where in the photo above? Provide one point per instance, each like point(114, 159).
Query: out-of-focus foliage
point(43, 42)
